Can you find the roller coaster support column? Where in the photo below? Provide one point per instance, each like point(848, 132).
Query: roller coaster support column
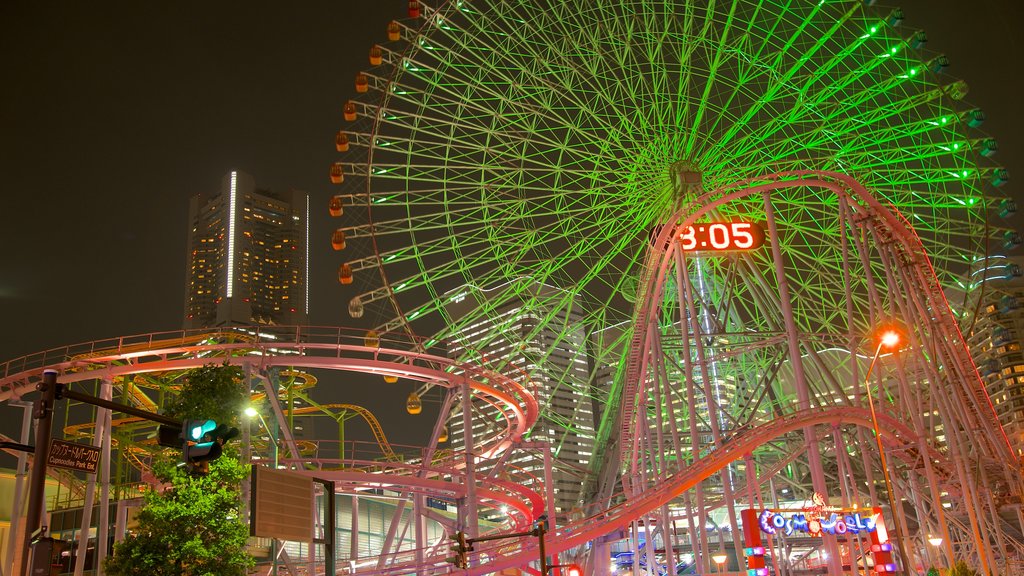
point(107, 393)
point(470, 524)
point(100, 439)
point(43, 413)
point(19, 485)
point(795, 359)
point(246, 443)
point(354, 523)
point(418, 529)
point(549, 484)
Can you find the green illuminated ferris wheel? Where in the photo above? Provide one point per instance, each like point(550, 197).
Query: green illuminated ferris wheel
point(499, 145)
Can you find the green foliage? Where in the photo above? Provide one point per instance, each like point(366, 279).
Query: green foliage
point(933, 572)
point(194, 527)
point(962, 569)
point(191, 529)
point(213, 392)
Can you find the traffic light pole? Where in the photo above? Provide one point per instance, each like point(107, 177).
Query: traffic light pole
point(43, 413)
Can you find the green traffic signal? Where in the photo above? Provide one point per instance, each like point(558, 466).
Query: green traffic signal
point(203, 441)
point(199, 428)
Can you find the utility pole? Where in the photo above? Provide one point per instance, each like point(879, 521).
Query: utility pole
point(43, 414)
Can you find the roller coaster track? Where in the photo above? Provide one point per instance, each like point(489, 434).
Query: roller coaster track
point(366, 415)
point(491, 557)
point(515, 403)
point(309, 381)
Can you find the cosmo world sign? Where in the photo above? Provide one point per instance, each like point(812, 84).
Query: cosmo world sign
point(818, 519)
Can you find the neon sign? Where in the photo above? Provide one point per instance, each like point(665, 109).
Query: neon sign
point(818, 519)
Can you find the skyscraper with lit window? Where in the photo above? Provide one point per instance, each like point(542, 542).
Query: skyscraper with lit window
point(544, 347)
point(995, 338)
point(248, 256)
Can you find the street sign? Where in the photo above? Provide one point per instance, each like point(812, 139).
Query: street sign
point(282, 505)
point(73, 456)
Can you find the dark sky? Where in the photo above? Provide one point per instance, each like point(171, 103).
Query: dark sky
point(112, 114)
point(115, 113)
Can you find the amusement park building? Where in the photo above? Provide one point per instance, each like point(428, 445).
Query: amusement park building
point(248, 256)
point(995, 337)
point(545, 346)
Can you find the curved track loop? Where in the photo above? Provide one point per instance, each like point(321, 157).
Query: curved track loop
point(290, 349)
point(294, 348)
point(804, 336)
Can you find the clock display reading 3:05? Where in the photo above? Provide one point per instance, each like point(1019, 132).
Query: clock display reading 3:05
point(721, 236)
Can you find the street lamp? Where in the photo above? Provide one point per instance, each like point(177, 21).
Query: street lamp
point(935, 541)
point(250, 412)
point(720, 560)
point(888, 338)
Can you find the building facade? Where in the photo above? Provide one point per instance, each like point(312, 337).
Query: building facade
point(544, 348)
point(995, 336)
point(248, 256)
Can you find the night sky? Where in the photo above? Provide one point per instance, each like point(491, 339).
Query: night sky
point(114, 113)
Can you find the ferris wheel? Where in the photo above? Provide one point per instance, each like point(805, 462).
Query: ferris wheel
point(493, 147)
point(490, 142)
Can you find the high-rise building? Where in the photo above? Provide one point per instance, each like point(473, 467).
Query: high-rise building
point(248, 256)
point(546, 347)
point(995, 338)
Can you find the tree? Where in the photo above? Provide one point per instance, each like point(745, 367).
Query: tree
point(212, 391)
point(962, 569)
point(194, 527)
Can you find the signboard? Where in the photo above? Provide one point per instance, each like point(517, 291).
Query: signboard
point(818, 519)
point(282, 505)
point(73, 456)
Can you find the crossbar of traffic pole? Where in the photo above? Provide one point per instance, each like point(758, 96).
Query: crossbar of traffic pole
point(501, 536)
point(17, 446)
point(151, 416)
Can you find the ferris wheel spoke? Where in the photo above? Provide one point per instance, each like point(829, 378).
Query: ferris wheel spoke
point(519, 100)
point(780, 86)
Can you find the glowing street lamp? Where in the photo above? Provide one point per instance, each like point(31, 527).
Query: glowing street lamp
point(935, 541)
point(888, 338)
point(719, 560)
point(250, 412)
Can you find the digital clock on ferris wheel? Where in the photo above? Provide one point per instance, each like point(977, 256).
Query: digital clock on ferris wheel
point(721, 236)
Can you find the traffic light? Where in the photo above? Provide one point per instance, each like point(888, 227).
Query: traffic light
point(203, 441)
point(461, 548)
